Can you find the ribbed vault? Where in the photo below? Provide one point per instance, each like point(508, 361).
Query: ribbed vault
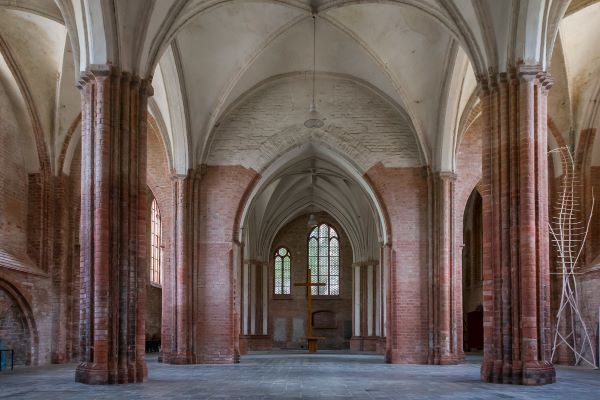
point(306, 184)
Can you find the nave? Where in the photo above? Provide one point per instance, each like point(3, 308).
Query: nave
point(293, 374)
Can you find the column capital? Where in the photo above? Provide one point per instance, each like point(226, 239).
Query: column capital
point(448, 176)
point(103, 71)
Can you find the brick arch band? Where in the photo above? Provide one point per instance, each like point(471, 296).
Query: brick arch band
point(15, 295)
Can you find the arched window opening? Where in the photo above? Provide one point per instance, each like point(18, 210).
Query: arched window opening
point(283, 267)
point(324, 260)
point(155, 245)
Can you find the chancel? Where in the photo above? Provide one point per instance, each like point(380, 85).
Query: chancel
point(327, 198)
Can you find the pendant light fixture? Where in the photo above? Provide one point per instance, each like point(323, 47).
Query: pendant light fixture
point(314, 118)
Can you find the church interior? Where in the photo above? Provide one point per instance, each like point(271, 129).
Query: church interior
point(299, 199)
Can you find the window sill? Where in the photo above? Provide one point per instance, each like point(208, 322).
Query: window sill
point(326, 297)
point(282, 297)
point(156, 285)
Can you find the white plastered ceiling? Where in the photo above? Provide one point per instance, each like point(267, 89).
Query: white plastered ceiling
point(580, 42)
point(36, 46)
point(216, 50)
point(402, 56)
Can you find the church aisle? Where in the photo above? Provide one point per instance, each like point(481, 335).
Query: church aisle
point(297, 375)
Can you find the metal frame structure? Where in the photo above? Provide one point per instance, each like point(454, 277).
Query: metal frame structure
point(569, 236)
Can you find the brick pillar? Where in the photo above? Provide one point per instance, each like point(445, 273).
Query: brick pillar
point(113, 226)
point(516, 289)
point(364, 308)
point(216, 329)
point(253, 327)
point(444, 323)
point(60, 280)
point(358, 323)
point(384, 278)
point(179, 316)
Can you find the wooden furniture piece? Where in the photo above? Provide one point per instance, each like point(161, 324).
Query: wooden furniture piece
point(310, 339)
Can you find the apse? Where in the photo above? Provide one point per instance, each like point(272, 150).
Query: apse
point(308, 203)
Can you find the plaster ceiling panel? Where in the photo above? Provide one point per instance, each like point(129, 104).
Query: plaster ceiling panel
point(337, 52)
point(580, 35)
point(44, 8)
point(15, 122)
point(217, 45)
point(68, 104)
point(559, 104)
point(37, 44)
point(160, 96)
point(411, 45)
point(468, 89)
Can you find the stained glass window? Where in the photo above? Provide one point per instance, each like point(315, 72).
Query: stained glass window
point(155, 245)
point(324, 260)
point(283, 268)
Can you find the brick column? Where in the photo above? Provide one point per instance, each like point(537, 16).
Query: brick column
point(113, 226)
point(364, 312)
point(444, 335)
point(358, 322)
point(179, 317)
point(516, 288)
point(254, 307)
point(384, 279)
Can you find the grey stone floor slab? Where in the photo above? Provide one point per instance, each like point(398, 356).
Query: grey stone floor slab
point(297, 375)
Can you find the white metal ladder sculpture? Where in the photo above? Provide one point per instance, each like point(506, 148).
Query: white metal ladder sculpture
point(569, 237)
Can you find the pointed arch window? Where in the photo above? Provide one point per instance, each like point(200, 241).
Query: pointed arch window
point(155, 244)
point(324, 260)
point(283, 268)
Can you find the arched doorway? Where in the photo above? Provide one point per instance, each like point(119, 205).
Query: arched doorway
point(17, 327)
point(348, 312)
point(472, 274)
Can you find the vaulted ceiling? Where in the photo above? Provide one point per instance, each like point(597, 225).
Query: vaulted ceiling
point(206, 55)
point(312, 182)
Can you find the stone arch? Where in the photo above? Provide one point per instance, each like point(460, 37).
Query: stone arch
point(279, 164)
point(282, 100)
point(17, 325)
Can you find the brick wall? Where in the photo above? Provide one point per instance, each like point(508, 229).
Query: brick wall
point(358, 122)
point(286, 309)
point(222, 191)
point(407, 210)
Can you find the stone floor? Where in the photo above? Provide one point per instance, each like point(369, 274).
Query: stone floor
point(297, 375)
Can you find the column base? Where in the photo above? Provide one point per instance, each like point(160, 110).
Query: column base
point(402, 357)
point(443, 359)
point(537, 373)
point(255, 343)
point(370, 344)
point(356, 343)
point(364, 343)
point(381, 346)
point(96, 374)
point(218, 359)
point(92, 374)
point(179, 358)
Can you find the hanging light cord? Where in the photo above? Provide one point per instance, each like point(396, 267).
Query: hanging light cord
point(314, 57)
